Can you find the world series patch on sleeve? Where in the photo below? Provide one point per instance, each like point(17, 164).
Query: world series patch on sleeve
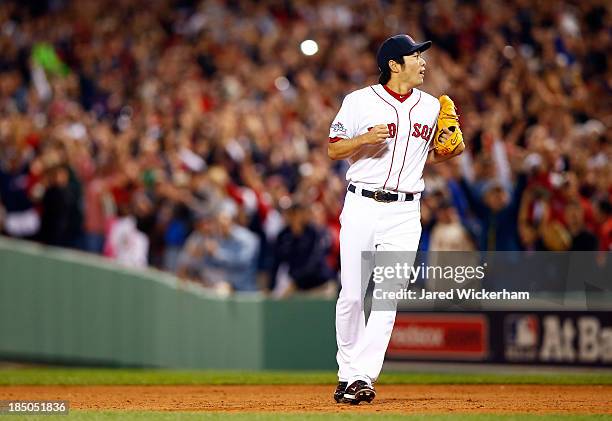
point(448, 118)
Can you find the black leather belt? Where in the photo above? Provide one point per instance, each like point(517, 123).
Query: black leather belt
point(381, 195)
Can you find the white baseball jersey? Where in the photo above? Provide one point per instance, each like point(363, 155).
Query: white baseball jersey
point(397, 164)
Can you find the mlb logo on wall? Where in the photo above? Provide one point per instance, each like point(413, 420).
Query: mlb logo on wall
point(521, 337)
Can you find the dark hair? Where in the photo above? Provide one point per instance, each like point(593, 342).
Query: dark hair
point(385, 74)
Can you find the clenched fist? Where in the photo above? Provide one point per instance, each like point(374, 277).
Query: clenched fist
point(377, 134)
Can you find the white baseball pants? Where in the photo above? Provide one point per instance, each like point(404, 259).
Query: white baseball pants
point(368, 225)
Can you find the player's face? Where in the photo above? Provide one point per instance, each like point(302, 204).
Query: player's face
point(413, 71)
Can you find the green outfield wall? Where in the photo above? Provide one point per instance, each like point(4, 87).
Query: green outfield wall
point(62, 306)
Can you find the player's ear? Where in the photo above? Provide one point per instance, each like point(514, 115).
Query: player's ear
point(393, 66)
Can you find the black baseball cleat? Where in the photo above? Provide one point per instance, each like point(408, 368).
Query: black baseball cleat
point(359, 391)
point(339, 393)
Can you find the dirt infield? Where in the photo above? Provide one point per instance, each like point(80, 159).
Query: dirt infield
point(317, 398)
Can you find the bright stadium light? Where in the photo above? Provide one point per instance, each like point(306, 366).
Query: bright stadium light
point(309, 47)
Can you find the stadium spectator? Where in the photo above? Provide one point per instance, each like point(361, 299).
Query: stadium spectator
point(302, 249)
point(234, 253)
point(20, 219)
point(124, 242)
point(497, 212)
point(582, 238)
point(448, 234)
point(191, 261)
point(605, 232)
point(221, 253)
point(57, 205)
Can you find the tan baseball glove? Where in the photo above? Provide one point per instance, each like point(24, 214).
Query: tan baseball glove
point(449, 119)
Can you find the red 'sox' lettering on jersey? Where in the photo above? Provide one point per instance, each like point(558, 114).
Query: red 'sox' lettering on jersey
point(422, 131)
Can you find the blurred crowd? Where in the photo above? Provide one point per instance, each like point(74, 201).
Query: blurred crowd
point(191, 136)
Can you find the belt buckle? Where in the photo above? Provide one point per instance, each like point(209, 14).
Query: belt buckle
point(378, 196)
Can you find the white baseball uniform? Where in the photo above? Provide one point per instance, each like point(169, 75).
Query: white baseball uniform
point(366, 224)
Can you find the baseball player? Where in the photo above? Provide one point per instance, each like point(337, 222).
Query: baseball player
point(387, 132)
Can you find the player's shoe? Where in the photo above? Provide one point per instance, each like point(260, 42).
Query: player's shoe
point(339, 393)
point(359, 391)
